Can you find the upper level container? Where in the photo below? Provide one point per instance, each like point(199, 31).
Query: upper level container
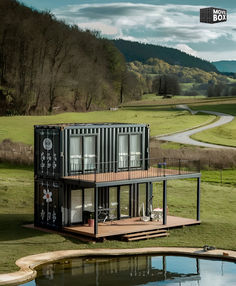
point(69, 149)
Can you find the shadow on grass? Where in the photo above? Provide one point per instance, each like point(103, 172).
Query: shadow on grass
point(12, 230)
point(11, 227)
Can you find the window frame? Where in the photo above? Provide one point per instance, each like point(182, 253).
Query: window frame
point(129, 167)
point(82, 170)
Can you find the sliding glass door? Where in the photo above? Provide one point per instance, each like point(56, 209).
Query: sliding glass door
point(76, 206)
point(89, 153)
point(76, 154)
point(125, 201)
point(113, 203)
point(129, 151)
point(135, 150)
point(82, 153)
point(123, 151)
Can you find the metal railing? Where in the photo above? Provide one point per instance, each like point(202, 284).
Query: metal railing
point(136, 169)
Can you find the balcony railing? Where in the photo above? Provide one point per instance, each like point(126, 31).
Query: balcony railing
point(154, 167)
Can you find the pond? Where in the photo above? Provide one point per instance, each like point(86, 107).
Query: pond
point(136, 270)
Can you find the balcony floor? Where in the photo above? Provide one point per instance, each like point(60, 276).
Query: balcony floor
point(127, 175)
point(129, 225)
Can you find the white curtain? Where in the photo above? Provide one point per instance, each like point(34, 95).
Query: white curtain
point(89, 152)
point(135, 150)
point(123, 151)
point(76, 153)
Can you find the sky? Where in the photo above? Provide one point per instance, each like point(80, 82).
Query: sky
point(172, 23)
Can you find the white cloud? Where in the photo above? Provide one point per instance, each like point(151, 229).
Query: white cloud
point(185, 48)
point(105, 29)
point(218, 56)
point(157, 24)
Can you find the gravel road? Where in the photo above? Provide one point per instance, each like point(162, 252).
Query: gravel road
point(184, 137)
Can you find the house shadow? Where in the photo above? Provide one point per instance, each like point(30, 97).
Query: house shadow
point(15, 227)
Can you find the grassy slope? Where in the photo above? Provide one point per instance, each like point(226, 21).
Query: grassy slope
point(217, 213)
point(166, 120)
point(225, 134)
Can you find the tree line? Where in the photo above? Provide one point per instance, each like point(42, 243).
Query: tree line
point(135, 51)
point(47, 66)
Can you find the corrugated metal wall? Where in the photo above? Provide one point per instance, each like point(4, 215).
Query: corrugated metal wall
point(107, 144)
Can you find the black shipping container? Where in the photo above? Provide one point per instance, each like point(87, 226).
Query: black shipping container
point(213, 15)
point(48, 197)
point(47, 152)
point(60, 150)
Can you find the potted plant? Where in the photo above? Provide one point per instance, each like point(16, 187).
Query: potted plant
point(91, 220)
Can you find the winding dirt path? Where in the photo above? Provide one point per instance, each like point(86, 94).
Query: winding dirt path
point(184, 137)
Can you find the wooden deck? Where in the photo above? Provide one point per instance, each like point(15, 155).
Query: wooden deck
point(127, 175)
point(128, 226)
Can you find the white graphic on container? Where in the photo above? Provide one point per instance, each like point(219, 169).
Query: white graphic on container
point(54, 162)
point(42, 214)
point(47, 144)
point(42, 159)
point(47, 196)
point(54, 216)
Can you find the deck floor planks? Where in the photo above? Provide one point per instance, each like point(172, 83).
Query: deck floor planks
point(130, 225)
point(126, 175)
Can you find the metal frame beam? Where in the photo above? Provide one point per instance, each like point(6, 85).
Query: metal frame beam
point(164, 202)
point(198, 197)
point(95, 211)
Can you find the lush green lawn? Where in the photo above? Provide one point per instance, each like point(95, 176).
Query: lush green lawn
point(161, 120)
point(153, 96)
point(218, 216)
point(152, 99)
point(225, 134)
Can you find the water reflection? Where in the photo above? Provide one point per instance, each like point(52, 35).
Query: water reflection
point(137, 270)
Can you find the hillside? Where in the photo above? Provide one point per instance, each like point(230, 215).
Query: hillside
point(225, 66)
point(154, 66)
point(47, 66)
point(196, 80)
point(134, 51)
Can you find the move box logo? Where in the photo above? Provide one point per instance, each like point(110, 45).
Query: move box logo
point(213, 15)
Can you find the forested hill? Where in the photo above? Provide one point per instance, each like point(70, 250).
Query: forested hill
point(226, 66)
point(47, 66)
point(134, 51)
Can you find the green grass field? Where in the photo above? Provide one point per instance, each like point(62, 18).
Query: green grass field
point(153, 96)
point(152, 99)
point(218, 226)
point(223, 135)
point(161, 120)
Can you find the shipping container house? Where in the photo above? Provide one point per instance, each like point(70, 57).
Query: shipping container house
point(96, 170)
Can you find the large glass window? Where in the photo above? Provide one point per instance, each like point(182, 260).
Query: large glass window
point(124, 201)
point(76, 153)
point(130, 151)
point(89, 200)
point(123, 151)
point(76, 206)
point(135, 150)
point(82, 153)
point(89, 153)
point(113, 202)
point(142, 199)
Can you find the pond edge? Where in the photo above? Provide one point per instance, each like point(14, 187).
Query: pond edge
point(28, 264)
